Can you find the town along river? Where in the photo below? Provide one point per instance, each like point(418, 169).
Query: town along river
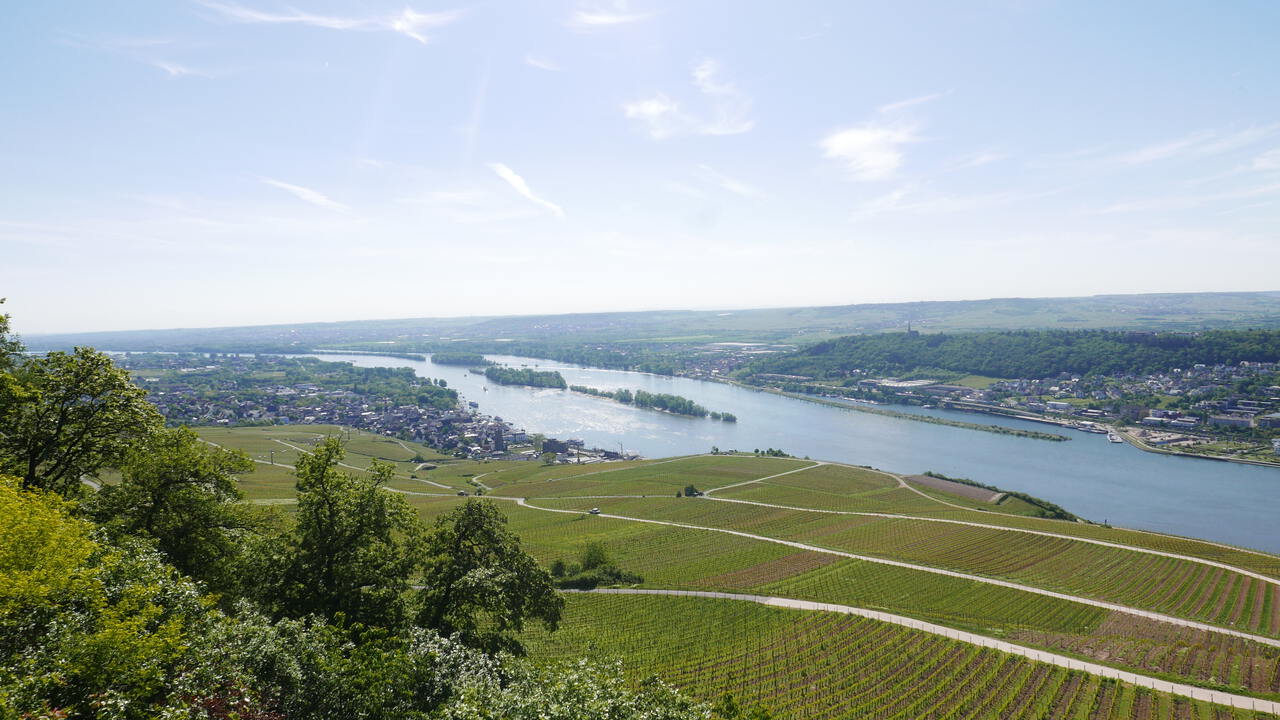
point(1089, 476)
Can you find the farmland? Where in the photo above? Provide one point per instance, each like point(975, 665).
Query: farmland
point(820, 665)
point(1166, 608)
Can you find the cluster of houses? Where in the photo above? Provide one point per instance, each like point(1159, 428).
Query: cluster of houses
point(1214, 399)
point(460, 429)
point(457, 429)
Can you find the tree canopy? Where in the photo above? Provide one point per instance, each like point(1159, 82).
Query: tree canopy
point(478, 584)
point(181, 493)
point(1024, 353)
point(74, 414)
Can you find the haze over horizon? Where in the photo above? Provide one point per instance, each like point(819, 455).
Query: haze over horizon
point(214, 163)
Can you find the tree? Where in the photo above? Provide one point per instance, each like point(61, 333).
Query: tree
point(594, 555)
point(76, 414)
point(351, 550)
point(548, 458)
point(10, 346)
point(478, 585)
point(181, 493)
point(87, 630)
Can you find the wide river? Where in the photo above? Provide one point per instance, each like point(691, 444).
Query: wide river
point(1096, 479)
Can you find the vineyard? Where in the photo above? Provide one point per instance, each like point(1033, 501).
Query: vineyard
point(822, 665)
point(1074, 589)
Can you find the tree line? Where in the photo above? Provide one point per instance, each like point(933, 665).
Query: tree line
point(1023, 353)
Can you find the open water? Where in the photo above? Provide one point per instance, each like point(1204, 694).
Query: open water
point(1096, 479)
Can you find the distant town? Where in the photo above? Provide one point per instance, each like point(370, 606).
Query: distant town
point(245, 390)
point(1227, 411)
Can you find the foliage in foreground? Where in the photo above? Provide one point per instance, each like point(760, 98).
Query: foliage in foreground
point(88, 629)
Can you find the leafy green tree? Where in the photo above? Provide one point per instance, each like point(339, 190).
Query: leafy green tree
point(351, 550)
point(181, 493)
point(479, 586)
point(87, 630)
point(77, 414)
point(594, 555)
point(10, 346)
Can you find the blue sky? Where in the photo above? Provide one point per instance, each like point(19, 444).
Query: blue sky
point(208, 162)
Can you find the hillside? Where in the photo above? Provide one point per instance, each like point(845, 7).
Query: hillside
point(1024, 354)
point(818, 590)
point(1174, 311)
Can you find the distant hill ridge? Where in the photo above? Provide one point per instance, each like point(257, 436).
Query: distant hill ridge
point(1025, 353)
point(1176, 311)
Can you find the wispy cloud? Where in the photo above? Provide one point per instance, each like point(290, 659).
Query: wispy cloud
point(1182, 202)
point(175, 70)
point(469, 198)
point(306, 194)
point(901, 105)
point(520, 186)
point(976, 159)
point(541, 63)
point(733, 185)
point(1269, 160)
point(614, 14)
point(871, 151)
point(729, 113)
point(1199, 144)
point(407, 22)
point(908, 200)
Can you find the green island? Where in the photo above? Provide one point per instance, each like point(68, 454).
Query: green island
point(469, 359)
point(658, 401)
point(526, 376)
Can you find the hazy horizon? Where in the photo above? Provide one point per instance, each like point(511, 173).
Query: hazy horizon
point(721, 309)
point(215, 163)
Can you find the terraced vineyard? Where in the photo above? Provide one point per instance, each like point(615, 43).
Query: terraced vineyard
point(1133, 578)
point(1056, 586)
point(823, 665)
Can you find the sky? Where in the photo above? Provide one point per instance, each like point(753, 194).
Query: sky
point(192, 163)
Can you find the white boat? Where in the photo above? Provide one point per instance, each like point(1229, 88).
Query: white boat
point(1114, 438)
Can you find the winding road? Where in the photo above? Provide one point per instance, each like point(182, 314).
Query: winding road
point(1197, 693)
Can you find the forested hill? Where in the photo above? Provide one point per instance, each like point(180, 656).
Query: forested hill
point(1026, 353)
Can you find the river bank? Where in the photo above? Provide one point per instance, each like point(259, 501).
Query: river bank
point(1225, 502)
point(998, 429)
point(1137, 442)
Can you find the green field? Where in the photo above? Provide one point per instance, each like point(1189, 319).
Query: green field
point(702, 556)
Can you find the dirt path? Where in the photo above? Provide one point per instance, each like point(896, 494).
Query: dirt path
point(756, 480)
point(1044, 533)
point(353, 467)
point(903, 483)
point(1196, 693)
point(925, 568)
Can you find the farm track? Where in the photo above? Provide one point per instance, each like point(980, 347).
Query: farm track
point(1043, 533)
point(903, 483)
point(1188, 691)
point(353, 467)
point(926, 568)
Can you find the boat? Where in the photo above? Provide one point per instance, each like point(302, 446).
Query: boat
point(1114, 438)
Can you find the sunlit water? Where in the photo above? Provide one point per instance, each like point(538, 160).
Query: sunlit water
point(1089, 476)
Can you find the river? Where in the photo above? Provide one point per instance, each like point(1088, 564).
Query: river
point(1089, 476)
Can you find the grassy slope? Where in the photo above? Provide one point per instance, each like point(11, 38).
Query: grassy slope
point(696, 559)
